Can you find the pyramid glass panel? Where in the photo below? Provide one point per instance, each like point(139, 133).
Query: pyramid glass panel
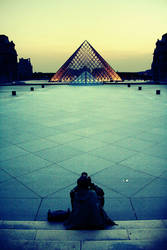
point(85, 59)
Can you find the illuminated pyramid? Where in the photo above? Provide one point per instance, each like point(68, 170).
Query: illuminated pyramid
point(84, 79)
point(85, 58)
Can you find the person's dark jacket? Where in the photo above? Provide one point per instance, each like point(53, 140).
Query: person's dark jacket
point(87, 212)
point(99, 191)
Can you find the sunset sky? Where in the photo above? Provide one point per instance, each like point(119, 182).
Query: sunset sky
point(124, 32)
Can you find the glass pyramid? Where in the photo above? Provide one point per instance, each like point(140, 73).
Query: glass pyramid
point(85, 58)
point(84, 79)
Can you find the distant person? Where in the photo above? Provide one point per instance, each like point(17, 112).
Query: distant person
point(87, 201)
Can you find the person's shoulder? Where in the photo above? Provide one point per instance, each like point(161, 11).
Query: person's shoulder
point(92, 192)
point(74, 189)
point(98, 190)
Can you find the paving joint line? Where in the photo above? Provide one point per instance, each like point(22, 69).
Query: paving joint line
point(28, 172)
point(128, 233)
point(38, 209)
point(140, 171)
point(58, 190)
point(81, 243)
point(165, 225)
point(27, 187)
point(147, 184)
point(135, 214)
point(114, 190)
point(69, 170)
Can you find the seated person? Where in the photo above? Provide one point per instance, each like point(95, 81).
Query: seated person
point(99, 191)
point(87, 206)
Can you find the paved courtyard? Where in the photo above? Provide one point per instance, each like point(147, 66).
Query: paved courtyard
point(50, 135)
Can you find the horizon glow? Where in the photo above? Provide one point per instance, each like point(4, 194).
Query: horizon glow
point(48, 32)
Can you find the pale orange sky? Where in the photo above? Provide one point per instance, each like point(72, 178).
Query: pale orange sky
point(124, 32)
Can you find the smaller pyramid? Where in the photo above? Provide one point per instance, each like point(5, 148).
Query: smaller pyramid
point(85, 78)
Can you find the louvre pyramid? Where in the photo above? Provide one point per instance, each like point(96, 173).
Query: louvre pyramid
point(85, 78)
point(85, 58)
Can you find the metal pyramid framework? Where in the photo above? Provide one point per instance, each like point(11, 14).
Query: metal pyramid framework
point(84, 79)
point(85, 58)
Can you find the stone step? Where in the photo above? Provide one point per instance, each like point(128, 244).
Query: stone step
point(82, 235)
point(133, 224)
point(85, 245)
point(130, 235)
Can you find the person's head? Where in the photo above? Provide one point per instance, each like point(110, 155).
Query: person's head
point(83, 182)
point(84, 174)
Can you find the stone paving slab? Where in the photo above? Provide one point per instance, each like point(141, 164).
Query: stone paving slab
point(94, 239)
point(154, 206)
point(40, 245)
point(19, 209)
point(76, 245)
point(59, 153)
point(159, 185)
point(145, 234)
point(147, 164)
point(60, 235)
point(124, 245)
point(141, 224)
point(10, 152)
point(32, 225)
point(82, 163)
point(17, 168)
point(38, 225)
point(48, 180)
point(115, 133)
point(118, 153)
point(15, 234)
point(119, 209)
point(15, 189)
point(123, 179)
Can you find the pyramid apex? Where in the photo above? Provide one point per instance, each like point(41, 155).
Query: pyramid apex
point(86, 41)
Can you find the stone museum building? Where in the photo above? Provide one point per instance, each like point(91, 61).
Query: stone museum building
point(8, 60)
point(24, 69)
point(159, 64)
